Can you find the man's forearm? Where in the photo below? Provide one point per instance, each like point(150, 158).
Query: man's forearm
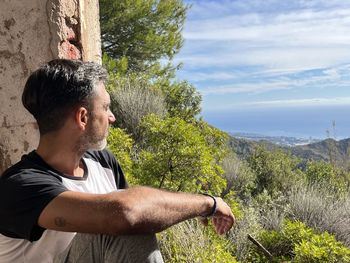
point(132, 211)
point(150, 210)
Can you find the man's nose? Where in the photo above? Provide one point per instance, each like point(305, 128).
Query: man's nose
point(111, 117)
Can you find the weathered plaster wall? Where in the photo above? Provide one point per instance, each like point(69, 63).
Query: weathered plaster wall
point(90, 30)
point(33, 32)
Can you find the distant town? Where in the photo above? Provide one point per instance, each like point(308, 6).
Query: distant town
point(278, 140)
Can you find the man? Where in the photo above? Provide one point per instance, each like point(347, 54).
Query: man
point(70, 184)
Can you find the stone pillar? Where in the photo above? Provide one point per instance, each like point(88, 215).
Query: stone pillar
point(33, 32)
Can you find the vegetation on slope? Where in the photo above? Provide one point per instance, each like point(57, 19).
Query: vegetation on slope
point(299, 210)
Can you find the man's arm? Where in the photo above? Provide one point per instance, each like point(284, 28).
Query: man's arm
point(136, 210)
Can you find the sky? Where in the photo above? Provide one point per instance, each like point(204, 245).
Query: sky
point(272, 67)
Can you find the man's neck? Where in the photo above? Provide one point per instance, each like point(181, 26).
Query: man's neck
point(60, 153)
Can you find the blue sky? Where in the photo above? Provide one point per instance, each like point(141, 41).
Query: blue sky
point(268, 55)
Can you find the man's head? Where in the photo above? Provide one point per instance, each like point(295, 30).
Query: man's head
point(70, 89)
point(54, 90)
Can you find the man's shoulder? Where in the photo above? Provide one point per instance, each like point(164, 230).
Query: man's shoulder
point(104, 157)
point(107, 160)
point(22, 165)
point(29, 165)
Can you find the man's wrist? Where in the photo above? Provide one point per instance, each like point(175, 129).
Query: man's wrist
point(213, 206)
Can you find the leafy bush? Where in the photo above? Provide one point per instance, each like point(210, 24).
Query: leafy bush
point(321, 248)
point(275, 171)
point(328, 176)
point(182, 100)
point(176, 156)
point(298, 243)
point(272, 209)
point(120, 144)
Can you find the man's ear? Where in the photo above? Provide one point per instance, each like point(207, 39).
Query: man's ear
point(81, 118)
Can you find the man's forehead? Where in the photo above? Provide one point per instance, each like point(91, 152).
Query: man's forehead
point(102, 92)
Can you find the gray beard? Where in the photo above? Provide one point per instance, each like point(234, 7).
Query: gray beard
point(100, 145)
point(87, 144)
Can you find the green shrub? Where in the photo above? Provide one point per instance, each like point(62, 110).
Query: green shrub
point(275, 171)
point(321, 248)
point(300, 244)
point(175, 155)
point(272, 209)
point(120, 144)
point(328, 176)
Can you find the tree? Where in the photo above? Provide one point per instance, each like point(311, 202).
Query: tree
point(176, 156)
point(182, 100)
point(275, 171)
point(140, 32)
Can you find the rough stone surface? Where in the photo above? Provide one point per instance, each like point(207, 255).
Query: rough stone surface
point(90, 30)
point(64, 29)
point(33, 32)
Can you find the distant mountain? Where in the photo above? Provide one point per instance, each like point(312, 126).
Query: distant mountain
point(326, 150)
point(244, 147)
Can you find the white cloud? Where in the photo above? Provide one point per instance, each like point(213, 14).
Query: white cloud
point(286, 40)
point(266, 27)
point(215, 75)
point(302, 102)
point(258, 53)
point(278, 59)
point(281, 104)
point(246, 88)
point(272, 81)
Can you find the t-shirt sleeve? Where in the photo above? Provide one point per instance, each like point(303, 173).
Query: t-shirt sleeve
point(108, 160)
point(117, 170)
point(23, 196)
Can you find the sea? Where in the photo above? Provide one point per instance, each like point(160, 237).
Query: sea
point(299, 122)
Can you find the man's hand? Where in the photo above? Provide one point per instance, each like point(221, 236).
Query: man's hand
point(223, 219)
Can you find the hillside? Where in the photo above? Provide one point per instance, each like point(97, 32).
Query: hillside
point(327, 150)
point(244, 147)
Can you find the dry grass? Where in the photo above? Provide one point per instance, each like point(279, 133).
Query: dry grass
point(239, 178)
point(248, 224)
point(320, 208)
point(183, 240)
point(190, 242)
point(132, 100)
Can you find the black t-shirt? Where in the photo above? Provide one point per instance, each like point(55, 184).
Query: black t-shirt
point(29, 185)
